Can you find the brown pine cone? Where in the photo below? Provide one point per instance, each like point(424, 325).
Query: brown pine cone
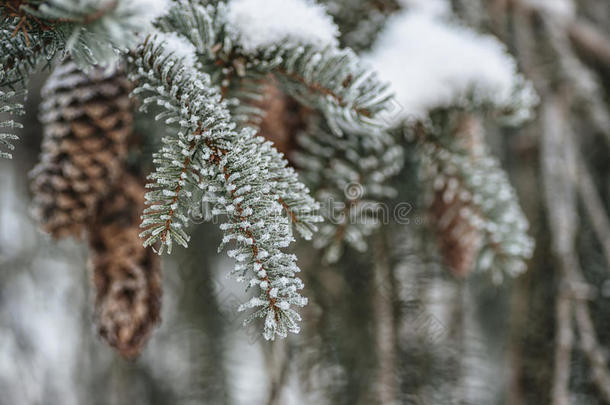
point(452, 211)
point(127, 276)
point(459, 241)
point(283, 118)
point(87, 120)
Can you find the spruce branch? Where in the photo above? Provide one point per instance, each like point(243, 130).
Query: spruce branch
point(204, 25)
point(95, 32)
point(17, 59)
point(349, 175)
point(240, 174)
point(468, 174)
point(275, 270)
point(196, 108)
point(328, 78)
point(19, 55)
point(24, 22)
point(12, 109)
point(331, 81)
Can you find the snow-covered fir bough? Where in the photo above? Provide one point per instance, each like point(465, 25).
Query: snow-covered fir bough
point(202, 67)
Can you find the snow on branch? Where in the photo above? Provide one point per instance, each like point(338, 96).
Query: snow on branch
point(429, 7)
point(259, 24)
point(433, 63)
point(334, 82)
point(314, 71)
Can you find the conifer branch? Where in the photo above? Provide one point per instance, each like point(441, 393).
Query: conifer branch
point(240, 174)
point(95, 32)
point(470, 175)
point(20, 52)
point(332, 81)
point(328, 79)
point(13, 109)
point(20, 55)
point(349, 175)
point(23, 21)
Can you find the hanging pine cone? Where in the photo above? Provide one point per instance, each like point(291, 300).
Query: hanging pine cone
point(459, 241)
point(283, 118)
point(87, 119)
point(127, 276)
point(451, 209)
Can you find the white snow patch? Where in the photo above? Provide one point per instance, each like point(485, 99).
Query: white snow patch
point(177, 46)
point(433, 63)
point(144, 12)
point(430, 7)
point(258, 24)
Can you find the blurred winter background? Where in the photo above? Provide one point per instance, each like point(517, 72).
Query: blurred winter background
point(378, 329)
